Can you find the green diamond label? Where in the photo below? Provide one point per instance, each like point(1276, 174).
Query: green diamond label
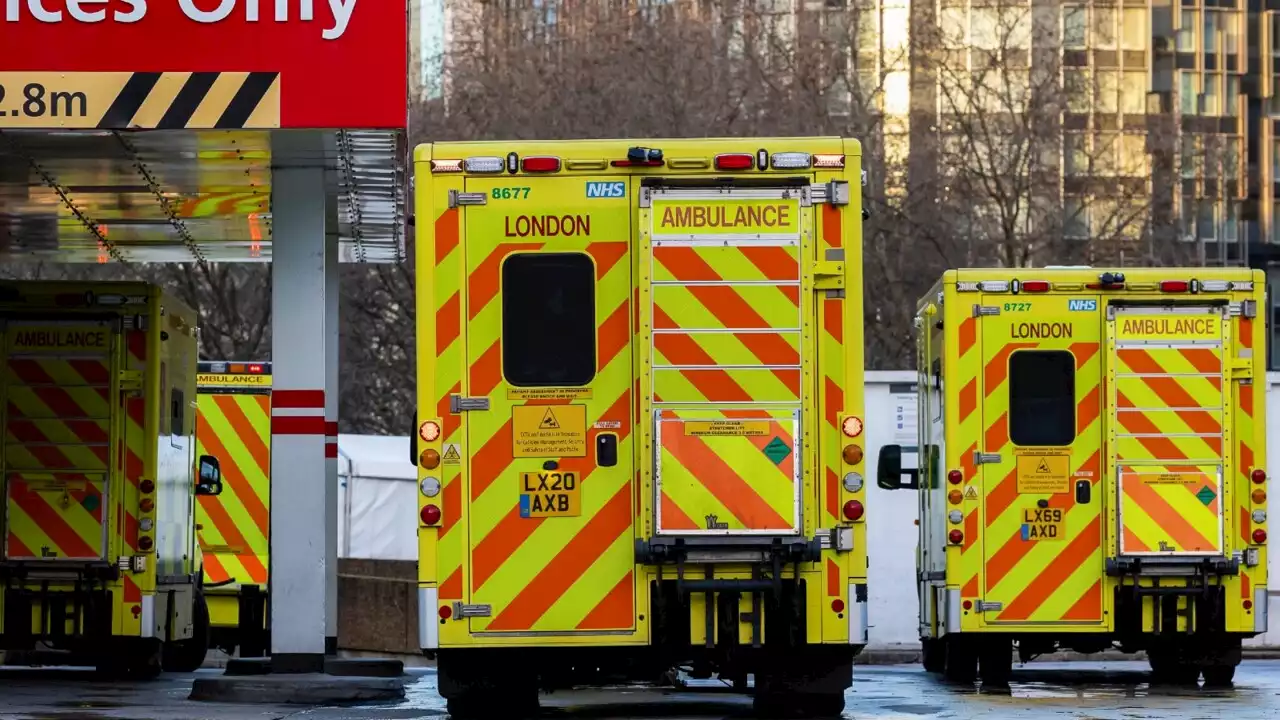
point(776, 450)
point(1205, 495)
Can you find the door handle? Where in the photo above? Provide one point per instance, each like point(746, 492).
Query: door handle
point(1084, 491)
point(606, 450)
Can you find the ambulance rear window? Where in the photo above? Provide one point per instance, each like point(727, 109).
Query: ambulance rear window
point(548, 319)
point(1042, 397)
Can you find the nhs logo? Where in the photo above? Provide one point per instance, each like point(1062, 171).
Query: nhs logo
point(606, 189)
point(1082, 305)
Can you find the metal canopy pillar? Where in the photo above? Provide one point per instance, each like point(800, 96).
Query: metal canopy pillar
point(331, 440)
point(300, 531)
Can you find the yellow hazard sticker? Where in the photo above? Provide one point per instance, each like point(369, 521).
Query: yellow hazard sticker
point(1184, 327)
point(36, 339)
point(221, 380)
point(1047, 474)
point(550, 494)
point(971, 493)
point(452, 456)
point(515, 393)
point(1043, 524)
point(549, 431)
point(726, 427)
point(683, 218)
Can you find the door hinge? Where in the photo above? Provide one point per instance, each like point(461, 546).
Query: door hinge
point(463, 610)
point(458, 198)
point(981, 458)
point(988, 606)
point(130, 379)
point(835, 192)
point(460, 404)
point(1241, 368)
point(980, 310)
point(828, 275)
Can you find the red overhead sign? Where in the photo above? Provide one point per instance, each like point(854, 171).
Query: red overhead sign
point(203, 63)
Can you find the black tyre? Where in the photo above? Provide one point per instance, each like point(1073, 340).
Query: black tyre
point(1219, 675)
point(134, 659)
point(1171, 670)
point(932, 655)
point(188, 655)
point(961, 660)
point(995, 662)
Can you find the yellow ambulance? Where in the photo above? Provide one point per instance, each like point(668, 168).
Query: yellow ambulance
point(98, 471)
point(1091, 467)
point(639, 430)
point(234, 404)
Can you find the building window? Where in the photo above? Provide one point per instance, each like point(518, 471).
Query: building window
point(1187, 34)
point(1231, 32)
point(1108, 91)
point(984, 28)
point(1106, 146)
point(548, 319)
point(1190, 157)
point(1231, 159)
point(1074, 27)
point(1211, 159)
point(1042, 398)
point(1078, 90)
point(1133, 93)
point(1207, 220)
point(1133, 155)
point(1210, 32)
point(1231, 98)
point(951, 21)
point(1075, 218)
point(1134, 29)
point(1231, 223)
point(1075, 154)
point(1211, 97)
point(1187, 91)
point(1104, 27)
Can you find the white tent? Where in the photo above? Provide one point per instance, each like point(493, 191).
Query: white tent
point(377, 498)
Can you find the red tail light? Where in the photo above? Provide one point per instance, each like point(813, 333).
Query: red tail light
point(853, 510)
point(147, 486)
point(430, 515)
point(837, 605)
point(1259, 476)
point(1247, 604)
point(145, 543)
point(1259, 536)
point(446, 612)
point(1035, 286)
point(1172, 286)
point(956, 537)
point(735, 161)
point(541, 164)
point(954, 477)
point(147, 505)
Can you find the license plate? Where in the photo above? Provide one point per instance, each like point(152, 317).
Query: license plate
point(550, 493)
point(1043, 524)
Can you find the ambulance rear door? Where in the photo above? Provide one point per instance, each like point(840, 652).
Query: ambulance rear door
point(1168, 395)
point(1039, 456)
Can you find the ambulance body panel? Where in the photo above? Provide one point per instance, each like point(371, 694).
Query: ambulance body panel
point(1091, 464)
point(634, 367)
point(99, 477)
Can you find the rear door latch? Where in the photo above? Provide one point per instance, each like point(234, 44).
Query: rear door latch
point(461, 404)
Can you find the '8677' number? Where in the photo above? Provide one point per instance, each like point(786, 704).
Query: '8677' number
point(510, 193)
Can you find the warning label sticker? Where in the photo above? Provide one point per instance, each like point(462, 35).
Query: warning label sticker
point(1044, 474)
point(549, 431)
point(451, 454)
point(726, 427)
point(515, 393)
point(971, 493)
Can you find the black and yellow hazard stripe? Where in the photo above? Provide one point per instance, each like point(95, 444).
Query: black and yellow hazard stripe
point(143, 100)
point(196, 101)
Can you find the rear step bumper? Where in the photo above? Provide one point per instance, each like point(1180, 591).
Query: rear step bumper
point(723, 549)
point(1172, 566)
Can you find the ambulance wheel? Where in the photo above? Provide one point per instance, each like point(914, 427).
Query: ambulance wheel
point(932, 655)
point(1219, 675)
point(137, 659)
point(1172, 670)
point(961, 665)
point(188, 655)
point(995, 662)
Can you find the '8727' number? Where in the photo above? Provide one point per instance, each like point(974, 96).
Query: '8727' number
point(510, 193)
point(1017, 307)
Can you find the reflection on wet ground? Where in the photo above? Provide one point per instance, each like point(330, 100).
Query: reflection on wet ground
point(1051, 691)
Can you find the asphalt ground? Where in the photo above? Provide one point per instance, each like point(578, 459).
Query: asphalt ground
point(1085, 690)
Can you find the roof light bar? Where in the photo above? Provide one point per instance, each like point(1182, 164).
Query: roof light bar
point(484, 164)
point(994, 286)
point(790, 161)
point(828, 161)
point(1036, 286)
point(1215, 285)
point(1174, 286)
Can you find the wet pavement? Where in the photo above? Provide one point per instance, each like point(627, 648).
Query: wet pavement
point(1048, 691)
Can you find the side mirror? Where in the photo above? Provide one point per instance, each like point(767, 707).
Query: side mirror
point(209, 481)
point(889, 472)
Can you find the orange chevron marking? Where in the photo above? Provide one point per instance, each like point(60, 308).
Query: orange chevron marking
point(448, 322)
point(1089, 606)
point(450, 506)
point(568, 565)
point(451, 588)
point(616, 610)
point(833, 319)
point(719, 479)
point(833, 493)
point(968, 399)
point(50, 522)
point(1083, 351)
point(252, 440)
point(833, 578)
point(1054, 573)
point(1166, 517)
point(484, 280)
point(213, 568)
point(831, 225)
point(446, 234)
point(834, 401)
point(970, 588)
point(235, 481)
point(673, 518)
point(997, 369)
point(967, 336)
point(606, 255)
